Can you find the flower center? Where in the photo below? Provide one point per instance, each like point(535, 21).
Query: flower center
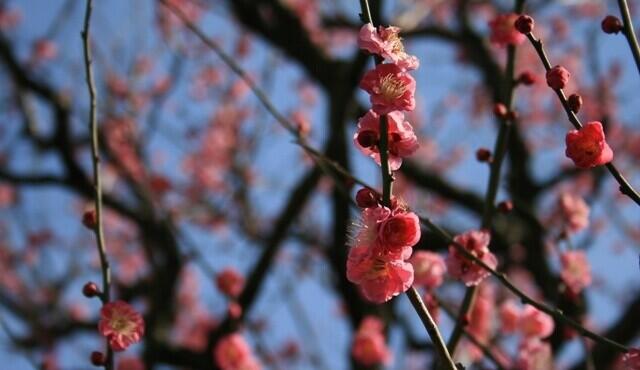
point(392, 88)
point(396, 43)
point(121, 324)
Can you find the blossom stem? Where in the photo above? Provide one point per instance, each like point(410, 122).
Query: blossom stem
point(387, 183)
point(625, 186)
point(629, 32)
point(95, 159)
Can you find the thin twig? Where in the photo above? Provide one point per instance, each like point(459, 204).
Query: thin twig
point(95, 159)
point(629, 31)
point(625, 187)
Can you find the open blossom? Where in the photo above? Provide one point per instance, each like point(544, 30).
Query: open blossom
point(631, 359)
point(588, 147)
point(575, 211)
point(576, 271)
point(534, 354)
point(387, 231)
point(475, 242)
point(510, 315)
point(369, 346)
point(535, 323)
point(121, 325)
point(402, 141)
point(503, 31)
point(428, 268)
point(233, 353)
point(380, 276)
point(390, 88)
point(386, 42)
point(230, 282)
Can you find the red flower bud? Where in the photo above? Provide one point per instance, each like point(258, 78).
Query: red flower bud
point(500, 110)
point(505, 206)
point(367, 198)
point(527, 78)
point(524, 24)
point(611, 24)
point(575, 102)
point(90, 290)
point(89, 219)
point(558, 77)
point(483, 155)
point(98, 358)
point(367, 138)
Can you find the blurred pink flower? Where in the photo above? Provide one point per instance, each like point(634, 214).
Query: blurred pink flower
point(402, 141)
point(460, 267)
point(575, 211)
point(510, 315)
point(428, 268)
point(369, 345)
point(535, 323)
point(233, 353)
point(534, 355)
point(230, 282)
point(576, 270)
point(503, 31)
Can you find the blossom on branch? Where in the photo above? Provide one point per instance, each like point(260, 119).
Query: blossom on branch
point(390, 89)
point(121, 325)
point(459, 266)
point(387, 43)
point(230, 282)
point(588, 147)
point(402, 141)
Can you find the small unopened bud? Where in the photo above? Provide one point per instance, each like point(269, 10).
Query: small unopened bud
point(483, 155)
point(558, 77)
point(98, 358)
point(367, 198)
point(500, 110)
point(611, 24)
point(367, 138)
point(527, 78)
point(89, 219)
point(575, 102)
point(505, 206)
point(524, 24)
point(90, 290)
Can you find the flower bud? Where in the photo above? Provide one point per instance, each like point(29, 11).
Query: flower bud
point(98, 358)
point(367, 138)
point(524, 24)
point(500, 110)
point(367, 198)
point(90, 290)
point(527, 78)
point(611, 24)
point(483, 155)
point(575, 102)
point(89, 219)
point(558, 77)
point(505, 206)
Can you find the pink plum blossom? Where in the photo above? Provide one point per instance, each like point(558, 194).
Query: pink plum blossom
point(233, 353)
point(369, 346)
point(588, 147)
point(121, 325)
point(429, 269)
point(576, 270)
point(535, 323)
point(503, 31)
point(402, 141)
point(386, 42)
point(575, 212)
point(459, 266)
point(390, 88)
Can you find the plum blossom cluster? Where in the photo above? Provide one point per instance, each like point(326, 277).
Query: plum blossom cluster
point(369, 347)
point(381, 245)
point(533, 325)
point(383, 239)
